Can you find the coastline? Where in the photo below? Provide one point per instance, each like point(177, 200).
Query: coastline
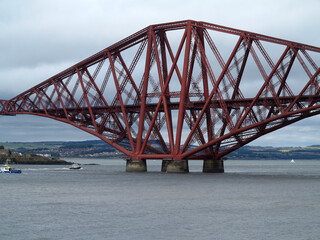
point(6, 156)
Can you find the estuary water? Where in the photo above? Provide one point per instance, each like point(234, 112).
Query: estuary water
point(251, 200)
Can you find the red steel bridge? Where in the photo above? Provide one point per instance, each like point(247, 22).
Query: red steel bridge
point(181, 90)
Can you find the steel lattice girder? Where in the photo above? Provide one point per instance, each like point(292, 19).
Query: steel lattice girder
point(182, 90)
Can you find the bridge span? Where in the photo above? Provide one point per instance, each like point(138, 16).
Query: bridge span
point(181, 90)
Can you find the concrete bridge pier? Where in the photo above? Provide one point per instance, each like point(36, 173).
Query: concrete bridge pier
point(213, 166)
point(175, 166)
point(136, 165)
point(164, 164)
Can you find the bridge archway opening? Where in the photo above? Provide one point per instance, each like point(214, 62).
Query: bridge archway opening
point(303, 133)
point(30, 128)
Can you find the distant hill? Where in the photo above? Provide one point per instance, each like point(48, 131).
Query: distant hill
point(7, 155)
point(85, 149)
point(257, 152)
point(100, 149)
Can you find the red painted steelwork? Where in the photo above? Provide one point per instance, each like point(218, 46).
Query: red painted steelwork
point(179, 91)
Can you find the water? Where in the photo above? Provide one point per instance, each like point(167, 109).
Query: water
point(252, 200)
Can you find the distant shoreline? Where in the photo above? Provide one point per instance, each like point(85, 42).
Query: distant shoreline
point(57, 150)
point(8, 156)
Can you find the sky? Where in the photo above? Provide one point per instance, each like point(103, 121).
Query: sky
point(40, 38)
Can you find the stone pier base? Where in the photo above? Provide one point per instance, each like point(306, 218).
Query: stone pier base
point(175, 166)
point(213, 166)
point(136, 165)
point(164, 164)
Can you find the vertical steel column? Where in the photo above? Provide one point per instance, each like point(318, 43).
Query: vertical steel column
point(144, 92)
point(183, 88)
point(166, 79)
point(163, 89)
point(206, 90)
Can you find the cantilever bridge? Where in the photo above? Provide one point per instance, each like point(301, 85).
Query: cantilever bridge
point(181, 90)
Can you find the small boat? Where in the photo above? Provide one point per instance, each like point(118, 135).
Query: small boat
point(7, 169)
point(75, 166)
point(292, 161)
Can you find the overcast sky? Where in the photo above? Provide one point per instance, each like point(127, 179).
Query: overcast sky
point(41, 38)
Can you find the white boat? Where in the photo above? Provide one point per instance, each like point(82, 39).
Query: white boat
point(292, 161)
point(75, 166)
point(7, 169)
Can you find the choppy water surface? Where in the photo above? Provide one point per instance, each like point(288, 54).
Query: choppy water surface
point(252, 200)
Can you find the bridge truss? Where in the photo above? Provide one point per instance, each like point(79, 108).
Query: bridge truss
point(182, 90)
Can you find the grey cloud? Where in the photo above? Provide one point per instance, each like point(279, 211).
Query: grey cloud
point(41, 38)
